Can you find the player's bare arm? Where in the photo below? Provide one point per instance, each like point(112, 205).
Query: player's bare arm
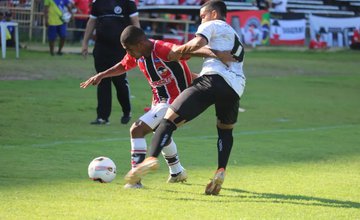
point(191, 46)
point(197, 47)
point(224, 56)
point(116, 70)
point(203, 52)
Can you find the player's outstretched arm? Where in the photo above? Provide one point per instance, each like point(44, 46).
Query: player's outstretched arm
point(116, 70)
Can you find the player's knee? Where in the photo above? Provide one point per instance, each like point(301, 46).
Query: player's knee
point(137, 131)
point(175, 119)
point(225, 126)
point(163, 133)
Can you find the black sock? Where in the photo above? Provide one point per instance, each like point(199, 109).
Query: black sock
point(224, 145)
point(162, 137)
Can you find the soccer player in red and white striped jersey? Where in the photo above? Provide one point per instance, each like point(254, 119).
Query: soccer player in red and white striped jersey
point(167, 80)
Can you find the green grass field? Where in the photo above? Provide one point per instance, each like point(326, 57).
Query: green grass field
point(296, 151)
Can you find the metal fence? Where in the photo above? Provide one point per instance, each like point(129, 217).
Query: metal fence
point(30, 17)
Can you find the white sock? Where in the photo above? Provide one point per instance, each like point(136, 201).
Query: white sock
point(138, 151)
point(171, 157)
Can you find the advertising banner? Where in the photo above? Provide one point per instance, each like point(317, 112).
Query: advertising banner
point(287, 29)
point(336, 32)
point(252, 26)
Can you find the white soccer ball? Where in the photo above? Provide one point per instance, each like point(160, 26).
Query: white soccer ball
point(102, 169)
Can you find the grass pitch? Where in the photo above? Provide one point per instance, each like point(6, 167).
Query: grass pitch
point(296, 151)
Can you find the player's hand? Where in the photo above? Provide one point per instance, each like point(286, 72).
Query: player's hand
point(95, 80)
point(224, 56)
point(173, 55)
point(186, 56)
point(85, 48)
point(84, 51)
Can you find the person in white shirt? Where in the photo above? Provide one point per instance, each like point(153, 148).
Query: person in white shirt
point(161, 2)
point(278, 5)
point(221, 83)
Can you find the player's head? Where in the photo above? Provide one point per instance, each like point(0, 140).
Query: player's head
point(213, 10)
point(133, 40)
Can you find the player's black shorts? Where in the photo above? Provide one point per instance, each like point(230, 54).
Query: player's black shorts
point(205, 91)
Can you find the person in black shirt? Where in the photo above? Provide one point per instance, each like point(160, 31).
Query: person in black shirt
point(109, 18)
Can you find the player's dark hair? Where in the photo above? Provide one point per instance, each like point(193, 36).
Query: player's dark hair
point(132, 35)
point(217, 5)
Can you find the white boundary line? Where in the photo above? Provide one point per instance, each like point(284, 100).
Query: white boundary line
point(241, 133)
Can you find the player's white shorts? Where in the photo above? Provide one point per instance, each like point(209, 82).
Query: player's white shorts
point(153, 117)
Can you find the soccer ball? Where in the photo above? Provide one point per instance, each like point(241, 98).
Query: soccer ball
point(102, 169)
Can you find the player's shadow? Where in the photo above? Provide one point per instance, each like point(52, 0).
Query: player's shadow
point(256, 197)
point(292, 199)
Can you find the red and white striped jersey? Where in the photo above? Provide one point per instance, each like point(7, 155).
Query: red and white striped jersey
point(166, 78)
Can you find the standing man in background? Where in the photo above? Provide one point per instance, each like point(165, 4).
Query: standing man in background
point(82, 11)
point(55, 22)
point(109, 18)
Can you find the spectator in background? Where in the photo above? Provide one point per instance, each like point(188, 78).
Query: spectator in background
point(254, 35)
point(10, 32)
point(278, 5)
point(82, 11)
point(317, 43)
point(109, 18)
point(55, 21)
point(2, 20)
point(262, 4)
point(355, 40)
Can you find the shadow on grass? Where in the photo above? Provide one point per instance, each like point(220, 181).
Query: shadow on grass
point(292, 199)
point(256, 197)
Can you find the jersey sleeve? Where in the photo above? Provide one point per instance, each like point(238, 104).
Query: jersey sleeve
point(205, 30)
point(94, 11)
point(132, 8)
point(128, 62)
point(162, 49)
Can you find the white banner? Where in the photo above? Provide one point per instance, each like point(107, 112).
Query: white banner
point(287, 32)
point(336, 32)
